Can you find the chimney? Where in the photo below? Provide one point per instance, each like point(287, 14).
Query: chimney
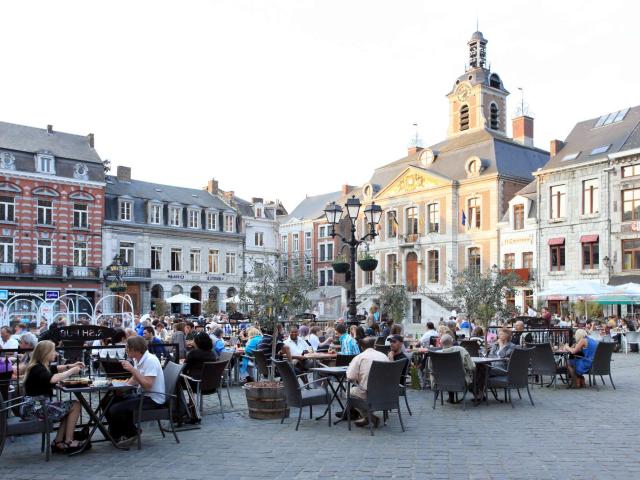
point(523, 130)
point(124, 174)
point(50, 129)
point(228, 196)
point(91, 139)
point(255, 200)
point(413, 150)
point(555, 146)
point(212, 186)
point(346, 188)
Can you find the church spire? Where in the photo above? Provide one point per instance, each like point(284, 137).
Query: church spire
point(477, 51)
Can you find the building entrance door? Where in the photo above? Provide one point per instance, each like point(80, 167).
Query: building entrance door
point(412, 272)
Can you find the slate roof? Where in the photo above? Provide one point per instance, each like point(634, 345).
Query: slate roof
point(312, 207)
point(30, 139)
point(498, 153)
point(585, 137)
point(165, 193)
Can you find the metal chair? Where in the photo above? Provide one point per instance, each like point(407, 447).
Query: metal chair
point(448, 373)
point(210, 382)
point(630, 338)
point(404, 378)
point(543, 363)
point(262, 365)
point(15, 426)
point(516, 376)
point(601, 364)
point(227, 357)
point(172, 373)
point(343, 360)
point(112, 368)
point(298, 395)
point(383, 391)
point(471, 346)
point(383, 349)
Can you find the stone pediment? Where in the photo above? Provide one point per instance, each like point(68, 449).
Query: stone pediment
point(413, 180)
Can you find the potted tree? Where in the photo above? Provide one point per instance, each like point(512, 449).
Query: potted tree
point(272, 298)
point(367, 262)
point(340, 264)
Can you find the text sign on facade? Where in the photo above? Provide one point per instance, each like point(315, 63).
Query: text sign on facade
point(4, 294)
point(51, 294)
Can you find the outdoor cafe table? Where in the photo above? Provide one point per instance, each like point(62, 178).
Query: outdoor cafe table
point(96, 416)
point(485, 363)
point(340, 374)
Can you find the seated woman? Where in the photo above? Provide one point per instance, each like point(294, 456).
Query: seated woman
point(583, 350)
point(246, 370)
point(199, 355)
point(502, 348)
point(40, 377)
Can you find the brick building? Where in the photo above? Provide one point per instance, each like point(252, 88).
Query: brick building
point(51, 212)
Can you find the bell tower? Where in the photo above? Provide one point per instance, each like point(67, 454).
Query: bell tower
point(478, 99)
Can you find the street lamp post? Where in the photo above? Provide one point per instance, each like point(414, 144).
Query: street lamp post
point(334, 212)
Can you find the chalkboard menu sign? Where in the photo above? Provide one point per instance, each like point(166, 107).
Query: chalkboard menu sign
point(83, 333)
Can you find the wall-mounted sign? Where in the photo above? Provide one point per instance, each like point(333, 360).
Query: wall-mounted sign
point(4, 294)
point(175, 276)
point(517, 240)
point(215, 278)
point(51, 294)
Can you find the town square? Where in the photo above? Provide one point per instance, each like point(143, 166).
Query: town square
point(316, 239)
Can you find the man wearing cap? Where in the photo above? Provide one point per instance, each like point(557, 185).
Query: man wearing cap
point(397, 348)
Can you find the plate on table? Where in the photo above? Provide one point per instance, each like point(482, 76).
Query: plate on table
point(76, 382)
point(119, 383)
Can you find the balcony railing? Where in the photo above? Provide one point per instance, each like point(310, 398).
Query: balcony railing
point(133, 272)
point(410, 238)
point(524, 274)
point(34, 270)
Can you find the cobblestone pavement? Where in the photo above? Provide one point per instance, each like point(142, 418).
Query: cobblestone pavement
point(569, 434)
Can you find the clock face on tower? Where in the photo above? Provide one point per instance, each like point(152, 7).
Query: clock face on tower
point(463, 93)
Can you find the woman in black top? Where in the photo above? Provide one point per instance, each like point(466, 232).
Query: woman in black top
point(194, 364)
point(39, 380)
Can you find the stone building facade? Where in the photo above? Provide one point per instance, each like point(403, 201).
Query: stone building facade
point(589, 202)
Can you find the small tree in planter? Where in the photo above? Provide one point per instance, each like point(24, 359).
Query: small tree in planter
point(482, 296)
point(160, 307)
point(394, 301)
point(209, 308)
point(271, 297)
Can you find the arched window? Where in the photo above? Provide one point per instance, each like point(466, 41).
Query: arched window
point(494, 81)
point(474, 260)
point(495, 115)
point(464, 118)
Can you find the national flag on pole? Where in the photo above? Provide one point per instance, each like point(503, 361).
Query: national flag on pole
point(464, 218)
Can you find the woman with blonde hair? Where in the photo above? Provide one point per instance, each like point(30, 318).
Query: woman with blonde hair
point(255, 336)
point(584, 351)
point(40, 376)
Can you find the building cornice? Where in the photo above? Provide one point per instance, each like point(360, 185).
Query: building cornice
point(51, 178)
point(170, 232)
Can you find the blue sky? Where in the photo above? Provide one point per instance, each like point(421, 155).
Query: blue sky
point(280, 99)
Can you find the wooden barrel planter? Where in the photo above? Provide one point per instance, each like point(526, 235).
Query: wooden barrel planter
point(266, 400)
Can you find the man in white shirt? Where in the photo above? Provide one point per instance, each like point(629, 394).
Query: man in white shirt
point(7, 341)
point(296, 348)
point(146, 372)
point(425, 340)
point(358, 372)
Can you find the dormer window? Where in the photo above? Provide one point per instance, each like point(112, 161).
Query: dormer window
point(259, 212)
point(175, 216)
point(229, 221)
point(155, 214)
point(212, 220)
point(518, 217)
point(126, 208)
point(194, 218)
point(45, 163)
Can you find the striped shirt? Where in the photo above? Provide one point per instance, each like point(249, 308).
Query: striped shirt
point(348, 345)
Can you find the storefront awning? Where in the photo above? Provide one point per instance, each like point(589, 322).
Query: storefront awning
point(556, 241)
point(588, 238)
point(561, 298)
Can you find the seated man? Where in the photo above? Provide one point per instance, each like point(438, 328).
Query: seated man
point(520, 337)
point(297, 348)
point(147, 373)
point(447, 346)
point(358, 372)
point(348, 344)
point(396, 352)
point(154, 344)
